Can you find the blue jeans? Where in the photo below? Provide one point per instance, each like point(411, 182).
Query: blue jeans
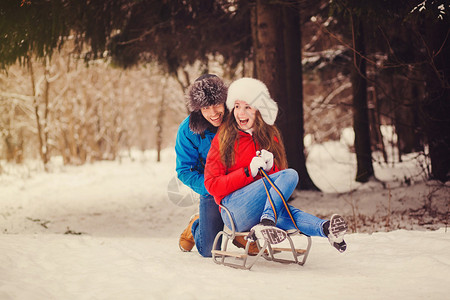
point(206, 227)
point(250, 204)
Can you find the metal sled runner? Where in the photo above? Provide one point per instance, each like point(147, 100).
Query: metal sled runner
point(243, 260)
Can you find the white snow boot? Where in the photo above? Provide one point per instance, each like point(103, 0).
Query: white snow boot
point(338, 228)
point(268, 231)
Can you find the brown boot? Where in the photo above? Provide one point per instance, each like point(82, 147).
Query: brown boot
point(241, 242)
point(187, 241)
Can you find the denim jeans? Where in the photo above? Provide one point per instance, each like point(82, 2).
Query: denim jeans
point(250, 204)
point(206, 227)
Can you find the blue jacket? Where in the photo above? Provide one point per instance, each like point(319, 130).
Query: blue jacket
point(191, 150)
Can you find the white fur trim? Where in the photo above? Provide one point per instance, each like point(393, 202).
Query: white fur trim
point(255, 93)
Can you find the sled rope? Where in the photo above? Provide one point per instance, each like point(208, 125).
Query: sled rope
point(270, 199)
point(280, 194)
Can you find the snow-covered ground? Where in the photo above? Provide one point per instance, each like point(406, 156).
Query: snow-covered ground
point(110, 230)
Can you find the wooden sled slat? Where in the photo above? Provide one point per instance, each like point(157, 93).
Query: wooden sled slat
point(299, 251)
point(226, 253)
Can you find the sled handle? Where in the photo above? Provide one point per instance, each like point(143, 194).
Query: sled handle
point(233, 228)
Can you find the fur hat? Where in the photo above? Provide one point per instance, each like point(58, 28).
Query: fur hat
point(207, 90)
point(256, 94)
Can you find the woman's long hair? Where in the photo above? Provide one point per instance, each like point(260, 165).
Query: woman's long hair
point(266, 136)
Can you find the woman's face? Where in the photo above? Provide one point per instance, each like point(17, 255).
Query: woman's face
point(244, 115)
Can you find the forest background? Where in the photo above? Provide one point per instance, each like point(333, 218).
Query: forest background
point(86, 80)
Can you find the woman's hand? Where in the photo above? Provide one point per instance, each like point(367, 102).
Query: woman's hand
point(268, 159)
point(256, 163)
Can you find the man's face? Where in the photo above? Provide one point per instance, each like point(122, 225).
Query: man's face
point(214, 114)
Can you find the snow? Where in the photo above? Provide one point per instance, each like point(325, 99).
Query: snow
point(109, 230)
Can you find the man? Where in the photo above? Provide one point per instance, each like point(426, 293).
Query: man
point(205, 101)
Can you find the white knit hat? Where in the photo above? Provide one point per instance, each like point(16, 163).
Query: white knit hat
point(256, 94)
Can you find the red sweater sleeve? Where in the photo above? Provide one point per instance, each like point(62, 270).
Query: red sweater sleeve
point(218, 181)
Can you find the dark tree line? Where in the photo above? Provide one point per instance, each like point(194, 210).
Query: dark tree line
point(414, 38)
point(394, 47)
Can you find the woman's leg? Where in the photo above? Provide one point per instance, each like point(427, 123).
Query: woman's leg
point(285, 181)
point(306, 223)
point(245, 205)
point(250, 204)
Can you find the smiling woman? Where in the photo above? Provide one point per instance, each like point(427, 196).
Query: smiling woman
point(245, 115)
point(246, 145)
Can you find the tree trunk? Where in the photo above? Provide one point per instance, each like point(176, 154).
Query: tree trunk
point(293, 121)
point(42, 144)
point(360, 111)
point(405, 108)
point(46, 96)
point(436, 107)
point(269, 49)
point(376, 126)
point(160, 120)
point(277, 48)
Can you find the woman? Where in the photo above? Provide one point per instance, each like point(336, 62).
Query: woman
point(246, 142)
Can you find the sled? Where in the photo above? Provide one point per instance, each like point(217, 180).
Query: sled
point(242, 260)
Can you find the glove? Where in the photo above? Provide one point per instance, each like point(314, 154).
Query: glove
point(256, 163)
point(268, 159)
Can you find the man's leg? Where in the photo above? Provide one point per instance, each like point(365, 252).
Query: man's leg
point(207, 226)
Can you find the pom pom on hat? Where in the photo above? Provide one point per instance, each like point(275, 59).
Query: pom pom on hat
point(256, 94)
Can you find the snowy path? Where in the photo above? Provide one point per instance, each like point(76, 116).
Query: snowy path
point(128, 246)
point(405, 265)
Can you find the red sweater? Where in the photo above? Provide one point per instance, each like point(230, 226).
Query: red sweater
point(220, 181)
